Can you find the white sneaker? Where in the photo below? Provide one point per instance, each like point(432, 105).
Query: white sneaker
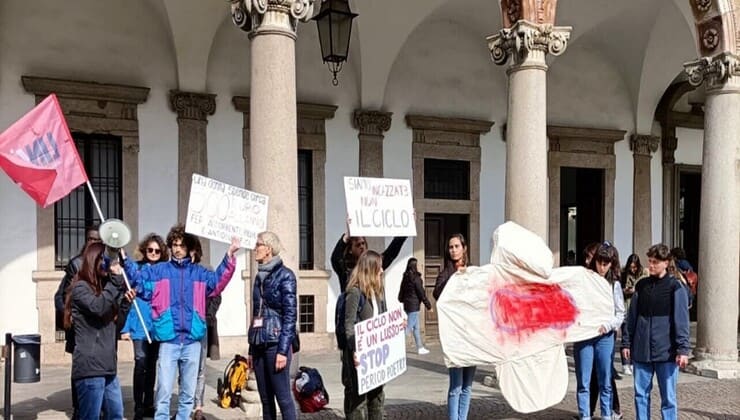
point(627, 369)
point(423, 351)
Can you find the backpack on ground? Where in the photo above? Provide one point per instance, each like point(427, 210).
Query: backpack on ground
point(233, 382)
point(309, 390)
point(339, 318)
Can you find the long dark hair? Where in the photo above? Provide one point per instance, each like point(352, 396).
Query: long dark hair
point(350, 260)
point(607, 253)
point(91, 259)
point(588, 253)
point(464, 258)
point(632, 259)
point(411, 270)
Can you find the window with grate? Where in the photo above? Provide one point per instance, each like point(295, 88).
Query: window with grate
point(102, 157)
point(306, 313)
point(447, 179)
point(305, 208)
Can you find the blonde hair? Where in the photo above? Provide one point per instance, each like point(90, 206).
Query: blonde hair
point(366, 275)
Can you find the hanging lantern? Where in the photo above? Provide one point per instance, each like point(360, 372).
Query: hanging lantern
point(334, 22)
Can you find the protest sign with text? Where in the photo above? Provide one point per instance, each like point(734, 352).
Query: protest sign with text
point(219, 211)
point(381, 349)
point(379, 207)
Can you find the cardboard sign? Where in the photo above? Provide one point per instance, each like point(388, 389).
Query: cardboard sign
point(381, 349)
point(379, 207)
point(218, 211)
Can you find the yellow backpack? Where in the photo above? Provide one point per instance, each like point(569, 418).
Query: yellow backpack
point(234, 380)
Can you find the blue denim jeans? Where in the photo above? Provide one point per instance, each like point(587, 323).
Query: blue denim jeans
point(200, 386)
point(667, 374)
point(458, 396)
point(413, 328)
point(595, 353)
point(99, 393)
point(273, 385)
point(174, 359)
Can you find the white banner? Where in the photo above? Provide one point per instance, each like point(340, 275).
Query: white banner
point(381, 349)
point(379, 207)
point(218, 211)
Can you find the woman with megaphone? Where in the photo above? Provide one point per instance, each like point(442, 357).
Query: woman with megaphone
point(90, 309)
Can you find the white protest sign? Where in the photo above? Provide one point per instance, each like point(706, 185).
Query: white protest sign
point(218, 211)
point(379, 207)
point(381, 349)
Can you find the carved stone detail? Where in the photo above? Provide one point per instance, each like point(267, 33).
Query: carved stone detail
point(372, 122)
point(525, 41)
point(534, 11)
point(718, 71)
point(270, 16)
point(645, 145)
point(703, 5)
point(668, 148)
point(193, 106)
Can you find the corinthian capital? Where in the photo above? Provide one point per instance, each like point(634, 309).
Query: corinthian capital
point(720, 71)
point(193, 106)
point(372, 122)
point(644, 145)
point(528, 43)
point(270, 16)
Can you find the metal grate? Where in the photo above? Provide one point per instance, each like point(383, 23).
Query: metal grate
point(306, 313)
point(102, 157)
point(447, 179)
point(305, 208)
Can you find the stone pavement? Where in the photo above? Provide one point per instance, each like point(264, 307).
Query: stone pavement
point(420, 393)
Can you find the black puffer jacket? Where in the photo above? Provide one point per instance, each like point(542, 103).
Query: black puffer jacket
point(278, 295)
point(95, 352)
point(412, 294)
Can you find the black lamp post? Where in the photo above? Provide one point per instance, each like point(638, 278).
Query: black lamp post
point(334, 22)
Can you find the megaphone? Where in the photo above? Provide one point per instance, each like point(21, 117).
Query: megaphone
point(115, 234)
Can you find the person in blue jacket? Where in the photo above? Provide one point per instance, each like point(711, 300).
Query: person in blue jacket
point(177, 290)
point(153, 250)
point(657, 338)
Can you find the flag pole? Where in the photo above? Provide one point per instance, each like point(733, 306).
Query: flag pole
point(125, 277)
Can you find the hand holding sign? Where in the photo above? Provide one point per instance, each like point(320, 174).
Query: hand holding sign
point(379, 207)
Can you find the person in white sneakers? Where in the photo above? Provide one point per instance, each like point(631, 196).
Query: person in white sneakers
point(411, 294)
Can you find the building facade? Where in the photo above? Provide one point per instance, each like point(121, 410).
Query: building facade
point(578, 120)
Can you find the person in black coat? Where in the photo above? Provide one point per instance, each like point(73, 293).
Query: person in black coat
point(412, 294)
point(90, 309)
point(348, 250)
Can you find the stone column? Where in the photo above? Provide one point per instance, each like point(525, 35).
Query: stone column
point(719, 223)
point(272, 119)
point(372, 125)
point(528, 35)
point(668, 146)
point(643, 147)
point(192, 110)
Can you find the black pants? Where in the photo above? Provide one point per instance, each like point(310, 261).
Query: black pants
point(273, 385)
point(145, 374)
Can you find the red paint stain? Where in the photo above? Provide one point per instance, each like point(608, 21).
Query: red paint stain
point(531, 307)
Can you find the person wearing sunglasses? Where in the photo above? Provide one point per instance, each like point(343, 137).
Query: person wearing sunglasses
point(151, 251)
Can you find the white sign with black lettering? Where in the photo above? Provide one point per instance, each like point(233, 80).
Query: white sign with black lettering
point(381, 349)
point(379, 207)
point(219, 211)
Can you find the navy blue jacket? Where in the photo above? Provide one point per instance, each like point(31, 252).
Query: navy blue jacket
point(658, 321)
point(278, 295)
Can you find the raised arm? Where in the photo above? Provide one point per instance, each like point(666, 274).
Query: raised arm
point(392, 251)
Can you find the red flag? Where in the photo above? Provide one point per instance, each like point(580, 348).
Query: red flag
point(38, 153)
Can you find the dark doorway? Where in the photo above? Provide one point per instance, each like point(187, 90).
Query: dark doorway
point(689, 197)
point(437, 228)
point(581, 211)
